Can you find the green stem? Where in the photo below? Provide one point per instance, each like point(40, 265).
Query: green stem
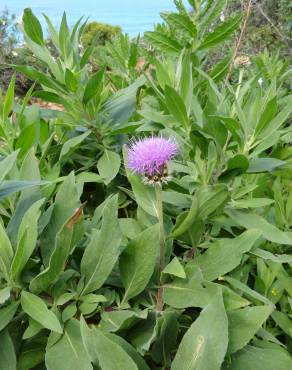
point(240, 78)
point(158, 192)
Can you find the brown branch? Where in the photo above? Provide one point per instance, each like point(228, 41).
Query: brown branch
point(284, 38)
point(239, 41)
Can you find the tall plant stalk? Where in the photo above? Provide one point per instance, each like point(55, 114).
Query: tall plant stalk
point(158, 191)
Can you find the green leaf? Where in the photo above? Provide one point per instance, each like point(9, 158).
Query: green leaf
point(59, 256)
point(7, 313)
point(252, 294)
point(221, 32)
point(7, 352)
point(72, 144)
point(253, 358)
point(6, 253)
point(120, 320)
point(195, 292)
point(93, 86)
point(269, 231)
point(166, 342)
point(138, 261)
point(184, 22)
point(8, 188)
point(268, 113)
point(68, 353)
point(279, 258)
point(212, 12)
point(30, 358)
point(129, 227)
point(204, 345)
point(102, 252)
point(187, 293)
point(66, 203)
point(142, 336)
point(239, 161)
point(176, 106)
point(86, 55)
point(257, 165)
point(122, 104)
point(101, 350)
point(144, 195)
point(48, 96)
point(26, 240)
point(163, 42)
point(36, 308)
point(162, 76)
point(273, 125)
point(9, 98)
point(41, 77)
point(233, 126)
point(32, 27)
point(7, 164)
point(210, 198)
point(232, 300)
point(184, 76)
point(26, 139)
point(183, 226)
point(224, 255)
point(283, 320)
point(32, 329)
point(175, 268)
point(4, 295)
point(130, 350)
point(252, 203)
point(70, 80)
point(108, 165)
point(64, 37)
point(53, 32)
point(244, 324)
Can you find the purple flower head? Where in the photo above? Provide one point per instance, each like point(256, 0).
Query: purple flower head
point(150, 156)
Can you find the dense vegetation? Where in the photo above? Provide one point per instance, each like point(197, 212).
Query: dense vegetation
point(81, 284)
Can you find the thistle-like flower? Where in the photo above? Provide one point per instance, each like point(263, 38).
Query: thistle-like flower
point(149, 157)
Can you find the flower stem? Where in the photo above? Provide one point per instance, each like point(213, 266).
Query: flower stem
point(158, 192)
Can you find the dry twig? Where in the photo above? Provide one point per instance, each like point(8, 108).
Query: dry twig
point(239, 40)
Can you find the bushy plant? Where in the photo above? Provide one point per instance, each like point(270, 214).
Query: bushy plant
point(170, 251)
point(96, 34)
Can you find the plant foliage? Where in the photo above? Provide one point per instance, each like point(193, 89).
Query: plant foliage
point(79, 236)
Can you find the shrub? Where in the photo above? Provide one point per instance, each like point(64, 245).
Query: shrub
point(99, 33)
point(101, 270)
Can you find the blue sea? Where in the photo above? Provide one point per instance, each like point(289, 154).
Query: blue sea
point(134, 16)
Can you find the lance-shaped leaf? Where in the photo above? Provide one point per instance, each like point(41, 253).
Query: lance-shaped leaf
point(36, 308)
point(66, 202)
point(138, 261)
point(27, 238)
point(7, 313)
point(225, 254)
point(254, 358)
point(244, 324)
point(108, 165)
point(221, 33)
point(204, 345)
point(102, 252)
point(7, 352)
point(68, 353)
point(103, 352)
point(6, 253)
point(163, 42)
point(268, 230)
point(59, 256)
point(32, 27)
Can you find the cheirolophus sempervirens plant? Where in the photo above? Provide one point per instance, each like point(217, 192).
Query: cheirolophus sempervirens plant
point(149, 157)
